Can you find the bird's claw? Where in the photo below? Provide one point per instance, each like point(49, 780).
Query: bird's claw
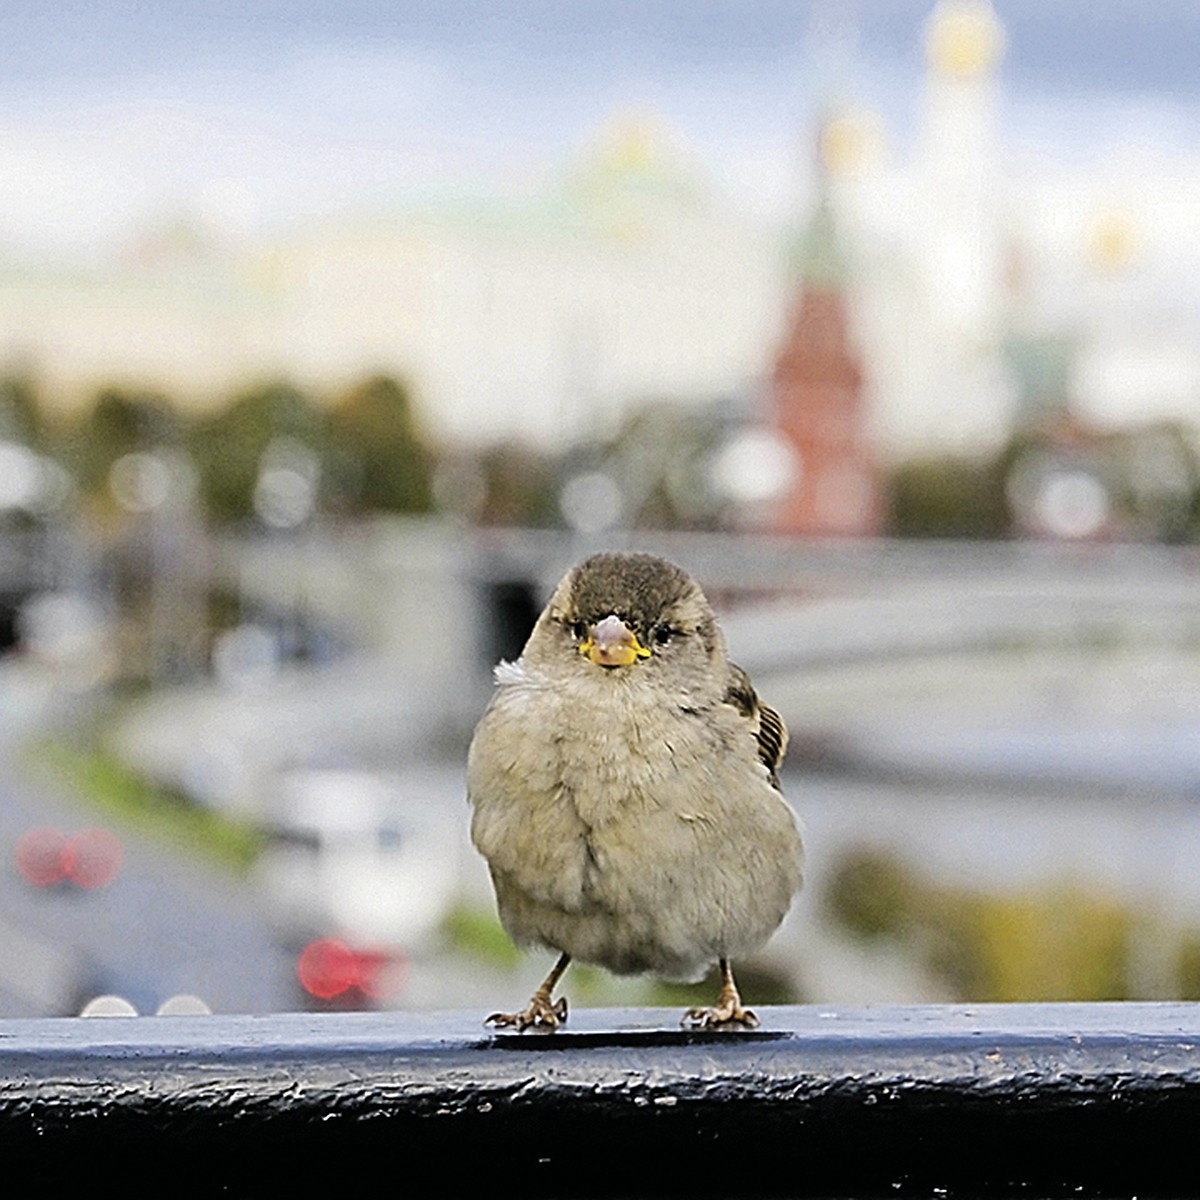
point(542, 1014)
point(724, 1015)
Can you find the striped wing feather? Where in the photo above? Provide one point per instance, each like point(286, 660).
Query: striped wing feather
point(766, 724)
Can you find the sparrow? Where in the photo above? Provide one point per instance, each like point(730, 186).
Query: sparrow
point(624, 792)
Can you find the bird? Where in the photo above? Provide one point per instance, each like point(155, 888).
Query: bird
point(624, 791)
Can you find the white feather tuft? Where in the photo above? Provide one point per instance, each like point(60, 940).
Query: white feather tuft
point(509, 673)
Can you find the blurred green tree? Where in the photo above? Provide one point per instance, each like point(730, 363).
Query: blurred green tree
point(20, 414)
point(379, 460)
point(1158, 469)
point(1058, 942)
point(228, 446)
point(947, 497)
point(661, 460)
point(1187, 966)
point(119, 423)
point(518, 486)
point(872, 896)
point(1149, 474)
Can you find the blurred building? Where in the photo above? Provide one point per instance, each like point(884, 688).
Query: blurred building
point(627, 277)
point(626, 280)
point(817, 402)
point(928, 240)
point(986, 290)
point(542, 318)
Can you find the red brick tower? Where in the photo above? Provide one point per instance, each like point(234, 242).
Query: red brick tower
point(817, 401)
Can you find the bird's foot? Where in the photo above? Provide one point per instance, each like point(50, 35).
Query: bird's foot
point(720, 1016)
point(542, 1013)
point(726, 1014)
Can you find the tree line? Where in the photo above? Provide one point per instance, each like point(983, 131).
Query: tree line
point(369, 451)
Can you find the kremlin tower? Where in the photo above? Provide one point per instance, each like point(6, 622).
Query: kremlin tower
point(817, 400)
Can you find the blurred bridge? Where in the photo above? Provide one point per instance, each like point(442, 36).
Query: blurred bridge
point(879, 648)
point(401, 587)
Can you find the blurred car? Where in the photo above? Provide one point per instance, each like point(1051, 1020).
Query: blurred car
point(355, 852)
point(46, 857)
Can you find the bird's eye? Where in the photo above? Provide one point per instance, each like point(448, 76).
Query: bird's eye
point(579, 630)
point(663, 634)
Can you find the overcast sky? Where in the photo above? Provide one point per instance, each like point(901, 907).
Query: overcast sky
point(112, 112)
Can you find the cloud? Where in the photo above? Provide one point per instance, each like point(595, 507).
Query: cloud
point(291, 123)
point(78, 171)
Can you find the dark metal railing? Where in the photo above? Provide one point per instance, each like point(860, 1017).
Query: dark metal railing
point(1004, 1100)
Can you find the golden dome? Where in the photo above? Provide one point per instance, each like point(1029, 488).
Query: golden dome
point(964, 38)
point(850, 143)
point(1112, 241)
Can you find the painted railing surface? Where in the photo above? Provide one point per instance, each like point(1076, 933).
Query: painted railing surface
point(989, 1100)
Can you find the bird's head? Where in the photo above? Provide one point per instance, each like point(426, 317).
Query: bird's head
point(629, 613)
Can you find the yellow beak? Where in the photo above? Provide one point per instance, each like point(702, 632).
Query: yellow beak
point(611, 643)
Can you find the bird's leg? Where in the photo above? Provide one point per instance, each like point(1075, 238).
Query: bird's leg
point(727, 1012)
point(542, 1013)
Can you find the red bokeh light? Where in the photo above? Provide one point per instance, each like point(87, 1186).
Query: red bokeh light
point(46, 856)
point(329, 968)
point(41, 856)
point(92, 858)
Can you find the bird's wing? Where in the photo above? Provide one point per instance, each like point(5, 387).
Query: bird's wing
point(765, 723)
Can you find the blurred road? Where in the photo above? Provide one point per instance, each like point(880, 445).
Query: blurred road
point(167, 924)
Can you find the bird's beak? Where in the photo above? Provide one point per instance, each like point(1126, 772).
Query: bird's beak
point(611, 643)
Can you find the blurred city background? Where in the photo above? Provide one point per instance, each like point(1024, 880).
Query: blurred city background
point(330, 336)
